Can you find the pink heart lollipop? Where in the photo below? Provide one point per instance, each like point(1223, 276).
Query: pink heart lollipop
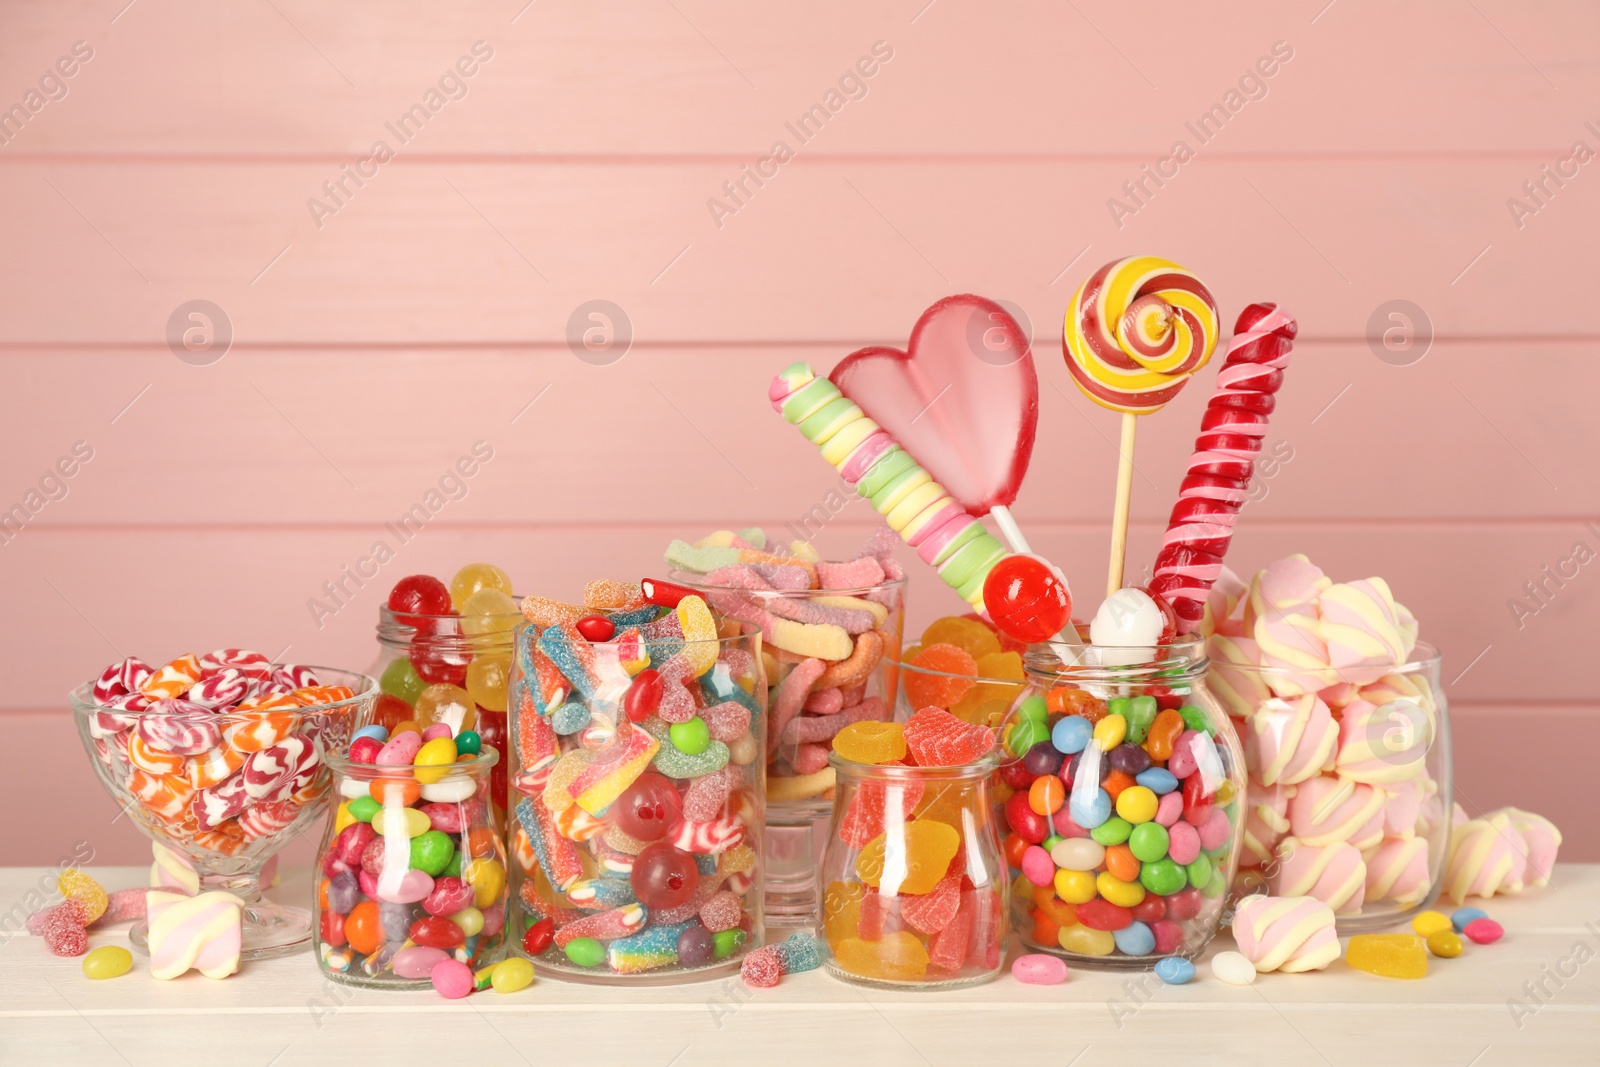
point(963, 398)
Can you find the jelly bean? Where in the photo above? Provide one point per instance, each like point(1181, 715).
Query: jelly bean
point(1158, 780)
point(449, 896)
point(643, 696)
point(1388, 955)
point(1121, 863)
point(1071, 735)
point(1114, 890)
point(365, 750)
point(1024, 821)
point(511, 975)
point(396, 791)
point(692, 737)
point(376, 732)
point(538, 937)
point(1037, 866)
point(585, 951)
point(452, 979)
point(418, 961)
point(434, 757)
point(1429, 923)
point(343, 892)
point(1182, 905)
point(1140, 713)
point(1164, 731)
point(596, 628)
point(362, 928)
point(1215, 832)
point(435, 731)
point(1036, 968)
point(401, 748)
point(1446, 943)
point(488, 880)
point(1129, 759)
point(1148, 841)
point(431, 851)
point(1112, 831)
point(1199, 871)
point(332, 928)
point(1164, 877)
point(1110, 731)
point(1078, 854)
point(1151, 908)
point(108, 961)
point(364, 809)
point(1087, 941)
point(726, 942)
point(469, 743)
point(1103, 914)
point(1041, 759)
point(1197, 807)
point(1137, 804)
point(1232, 968)
point(450, 791)
point(471, 921)
point(1135, 939)
point(436, 931)
point(1184, 762)
point(1169, 936)
point(1174, 970)
point(1046, 795)
point(401, 822)
point(1023, 734)
point(1462, 916)
point(1074, 887)
point(1484, 931)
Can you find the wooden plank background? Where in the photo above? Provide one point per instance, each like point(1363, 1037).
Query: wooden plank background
point(375, 344)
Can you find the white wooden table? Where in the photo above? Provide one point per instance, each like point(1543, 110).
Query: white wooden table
point(283, 1012)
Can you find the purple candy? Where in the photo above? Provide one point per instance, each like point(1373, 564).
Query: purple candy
point(343, 892)
point(695, 946)
point(1129, 759)
point(1042, 759)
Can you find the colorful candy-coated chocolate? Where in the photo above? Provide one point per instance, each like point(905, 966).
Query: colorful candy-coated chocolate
point(1445, 943)
point(1428, 923)
point(1461, 917)
point(1484, 931)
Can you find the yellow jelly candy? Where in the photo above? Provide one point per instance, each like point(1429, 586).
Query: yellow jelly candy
point(899, 957)
point(969, 635)
point(1075, 887)
point(1388, 955)
point(871, 742)
point(841, 911)
point(401, 822)
point(487, 878)
point(948, 804)
point(108, 961)
point(1431, 922)
point(1445, 944)
point(913, 861)
point(342, 817)
point(90, 895)
point(433, 759)
point(699, 634)
point(446, 703)
point(487, 678)
point(1086, 941)
point(489, 616)
point(475, 577)
point(470, 920)
point(511, 974)
point(1123, 894)
point(996, 665)
point(1110, 731)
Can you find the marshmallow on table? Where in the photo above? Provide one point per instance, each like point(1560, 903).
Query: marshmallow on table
point(202, 932)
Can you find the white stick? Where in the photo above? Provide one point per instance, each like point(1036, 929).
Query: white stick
point(1009, 530)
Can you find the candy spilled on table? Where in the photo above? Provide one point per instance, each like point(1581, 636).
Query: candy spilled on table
point(638, 732)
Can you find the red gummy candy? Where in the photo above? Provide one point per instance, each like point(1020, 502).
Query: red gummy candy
point(947, 948)
point(932, 912)
point(957, 673)
point(762, 968)
point(936, 738)
point(62, 928)
point(866, 816)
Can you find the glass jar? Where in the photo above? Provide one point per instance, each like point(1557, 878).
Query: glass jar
point(258, 779)
point(637, 843)
point(1350, 787)
point(913, 886)
point(861, 682)
point(411, 873)
point(1120, 799)
point(459, 668)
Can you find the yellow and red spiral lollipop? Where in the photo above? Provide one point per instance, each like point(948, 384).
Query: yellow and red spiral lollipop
point(1136, 332)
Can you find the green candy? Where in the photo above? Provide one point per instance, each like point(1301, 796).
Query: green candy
point(1213, 888)
point(362, 809)
point(453, 868)
point(585, 951)
point(725, 943)
point(1196, 719)
point(1118, 706)
point(1148, 842)
point(400, 679)
point(468, 743)
point(1051, 842)
point(1162, 877)
point(1114, 831)
point(692, 737)
point(1024, 734)
point(1140, 714)
point(1034, 707)
point(431, 852)
point(1200, 871)
point(675, 764)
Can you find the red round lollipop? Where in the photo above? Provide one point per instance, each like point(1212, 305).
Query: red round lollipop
point(1027, 599)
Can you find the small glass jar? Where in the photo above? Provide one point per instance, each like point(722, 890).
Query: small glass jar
point(859, 685)
point(411, 873)
point(1121, 802)
point(913, 885)
point(458, 667)
point(1350, 786)
point(637, 843)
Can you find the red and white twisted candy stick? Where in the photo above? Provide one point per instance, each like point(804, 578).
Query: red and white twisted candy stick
point(1213, 491)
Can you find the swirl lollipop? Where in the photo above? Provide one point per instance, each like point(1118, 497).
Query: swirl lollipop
point(1135, 333)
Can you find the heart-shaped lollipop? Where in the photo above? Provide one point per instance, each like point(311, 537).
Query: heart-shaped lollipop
point(963, 398)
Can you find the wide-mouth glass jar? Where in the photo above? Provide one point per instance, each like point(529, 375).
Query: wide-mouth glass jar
point(818, 687)
point(913, 884)
point(227, 790)
point(410, 872)
point(453, 669)
point(1120, 799)
point(1349, 782)
point(638, 805)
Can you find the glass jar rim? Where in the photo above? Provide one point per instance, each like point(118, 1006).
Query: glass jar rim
point(1424, 656)
point(698, 583)
point(960, 772)
point(976, 679)
point(82, 699)
point(1182, 658)
point(341, 763)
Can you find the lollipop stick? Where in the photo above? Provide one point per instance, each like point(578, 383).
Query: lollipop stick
point(1009, 529)
point(1119, 516)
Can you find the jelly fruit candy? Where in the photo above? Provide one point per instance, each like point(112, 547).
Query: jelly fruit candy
point(648, 809)
point(664, 877)
point(871, 742)
point(899, 956)
point(955, 670)
point(989, 701)
point(1388, 955)
point(420, 594)
point(473, 579)
point(969, 635)
point(937, 738)
point(911, 863)
point(1027, 599)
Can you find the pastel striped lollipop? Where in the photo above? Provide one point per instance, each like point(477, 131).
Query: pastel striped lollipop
point(915, 506)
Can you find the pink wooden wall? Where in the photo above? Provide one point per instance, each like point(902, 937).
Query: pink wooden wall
point(377, 338)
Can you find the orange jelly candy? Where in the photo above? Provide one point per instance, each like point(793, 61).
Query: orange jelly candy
point(931, 690)
point(1163, 734)
point(969, 635)
point(900, 956)
point(914, 862)
point(872, 742)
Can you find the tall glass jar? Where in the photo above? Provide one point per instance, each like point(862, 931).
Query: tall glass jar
point(637, 841)
point(1350, 787)
point(913, 885)
point(813, 698)
point(1121, 802)
point(411, 872)
point(449, 668)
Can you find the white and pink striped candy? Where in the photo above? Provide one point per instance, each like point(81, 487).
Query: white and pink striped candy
point(215, 806)
point(708, 837)
point(121, 678)
point(265, 820)
point(280, 770)
point(180, 727)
